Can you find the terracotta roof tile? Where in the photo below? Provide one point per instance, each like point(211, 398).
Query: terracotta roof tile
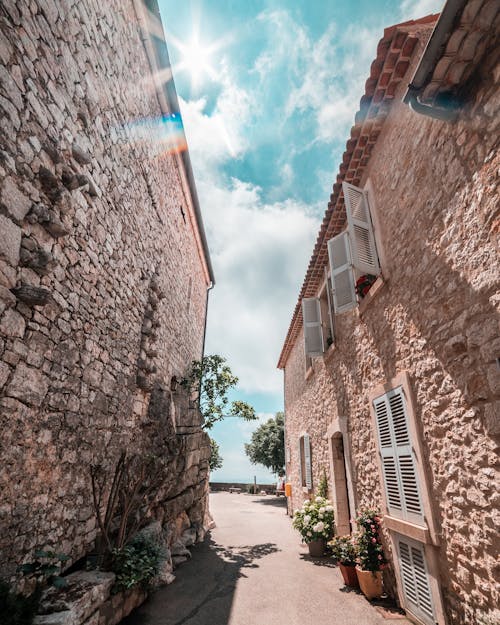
point(386, 72)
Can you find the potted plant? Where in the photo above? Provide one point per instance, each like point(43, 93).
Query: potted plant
point(371, 559)
point(344, 550)
point(314, 521)
point(364, 284)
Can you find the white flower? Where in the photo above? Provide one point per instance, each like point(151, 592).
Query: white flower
point(319, 499)
point(322, 510)
point(320, 515)
point(319, 527)
point(306, 519)
point(329, 508)
point(309, 534)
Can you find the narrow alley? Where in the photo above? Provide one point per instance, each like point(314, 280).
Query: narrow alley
point(252, 570)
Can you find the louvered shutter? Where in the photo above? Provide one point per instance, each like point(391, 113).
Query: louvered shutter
point(364, 250)
point(301, 456)
point(339, 253)
point(307, 458)
point(398, 463)
point(415, 578)
point(313, 328)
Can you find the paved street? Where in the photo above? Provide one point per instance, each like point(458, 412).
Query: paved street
point(252, 570)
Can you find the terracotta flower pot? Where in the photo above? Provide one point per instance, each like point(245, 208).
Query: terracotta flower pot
point(349, 575)
point(317, 547)
point(370, 583)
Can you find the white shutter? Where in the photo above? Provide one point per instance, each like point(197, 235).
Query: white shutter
point(398, 463)
point(415, 578)
point(364, 250)
point(307, 457)
point(313, 328)
point(301, 456)
point(339, 253)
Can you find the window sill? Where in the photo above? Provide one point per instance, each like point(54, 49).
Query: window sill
point(309, 373)
point(371, 295)
point(418, 532)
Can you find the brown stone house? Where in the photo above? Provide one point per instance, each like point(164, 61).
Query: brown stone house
point(394, 392)
point(104, 271)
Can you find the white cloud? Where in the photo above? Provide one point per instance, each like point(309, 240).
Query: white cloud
point(413, 9)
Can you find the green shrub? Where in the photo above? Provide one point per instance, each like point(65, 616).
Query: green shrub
point(250, 489)
point(323, 486)
point(344, 550)
point(136, 563)
point(15, 608)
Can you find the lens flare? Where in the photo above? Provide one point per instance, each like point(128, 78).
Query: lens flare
point(158, 135)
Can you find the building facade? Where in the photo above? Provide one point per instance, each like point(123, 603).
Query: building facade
point(391, 362)
point(104, 272)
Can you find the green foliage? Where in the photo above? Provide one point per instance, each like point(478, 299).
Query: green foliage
point(370, 552)
point(315, 520)
point(15, 608)
point(344, 550)
point(46, 569)
point(136, 563)
point(215, 462)
point(267, 445)
point(212, 379)
point(323, 486)
point(251, 488)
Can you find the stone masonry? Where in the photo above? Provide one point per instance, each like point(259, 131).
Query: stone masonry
point(436, 213)
point(103, 275)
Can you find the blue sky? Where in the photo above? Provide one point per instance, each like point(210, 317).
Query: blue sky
point(268, 92)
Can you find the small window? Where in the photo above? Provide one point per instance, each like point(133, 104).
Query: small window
point(305, 461)
point(353, 255)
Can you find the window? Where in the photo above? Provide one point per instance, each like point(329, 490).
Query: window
point(397, 457)
point(305, 461)
point(318, 323)
point(353, 253)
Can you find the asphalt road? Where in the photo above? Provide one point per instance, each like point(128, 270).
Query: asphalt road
point(253, 570)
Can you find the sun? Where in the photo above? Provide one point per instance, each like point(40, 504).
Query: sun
point(196, 60)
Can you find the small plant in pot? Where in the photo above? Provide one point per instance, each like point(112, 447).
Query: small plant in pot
point(371, 559)
point(314, 521)
point(345, 551)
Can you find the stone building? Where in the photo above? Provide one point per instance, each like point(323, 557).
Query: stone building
point(394, 390)
point(104, 271)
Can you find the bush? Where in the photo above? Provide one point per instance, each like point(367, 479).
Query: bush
point(137, 563)
point(344, 550)
point(15, 608)
point(370, 552)
point(314, 520)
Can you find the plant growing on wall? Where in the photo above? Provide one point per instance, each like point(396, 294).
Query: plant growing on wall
point(267, 445)
point(137, 563)
point(215, 461)
point(211, 379)
point(46, 569)
point(323, 486)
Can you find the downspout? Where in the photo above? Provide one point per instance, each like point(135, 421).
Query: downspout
point(444, 115)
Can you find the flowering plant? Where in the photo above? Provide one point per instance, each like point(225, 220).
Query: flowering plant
point(364, 284)
point(370, 552)
point(315, 519)
point(344, 550)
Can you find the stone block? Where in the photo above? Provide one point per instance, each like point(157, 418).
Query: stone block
point(12, 324)
point(28, 385)
point(16, 203)
point(10, 240)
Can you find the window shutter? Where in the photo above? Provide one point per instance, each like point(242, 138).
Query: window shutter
point(389, 459)
point(307, 455)
point(301, 455)
point(364, 250)
point(313, 329)
point(339, 253)
point(400, 476)
point(415, 577)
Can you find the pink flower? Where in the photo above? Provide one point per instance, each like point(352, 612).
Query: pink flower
point(373, 527)
point(379, 557)
point(374, 540)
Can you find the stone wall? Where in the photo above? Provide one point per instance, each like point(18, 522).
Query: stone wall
point(102, 282)
point(435, 191)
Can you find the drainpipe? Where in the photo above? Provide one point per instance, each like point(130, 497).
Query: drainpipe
point(433, 51)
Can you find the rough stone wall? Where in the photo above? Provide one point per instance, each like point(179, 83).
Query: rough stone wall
point(436, 203)
point(94, 223)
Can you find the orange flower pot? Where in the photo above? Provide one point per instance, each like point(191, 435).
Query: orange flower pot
point(370, 583)
point(349, 575)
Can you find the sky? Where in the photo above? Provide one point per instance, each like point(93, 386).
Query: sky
point(268, 90)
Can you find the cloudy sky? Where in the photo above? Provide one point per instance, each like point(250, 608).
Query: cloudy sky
point(268, 91)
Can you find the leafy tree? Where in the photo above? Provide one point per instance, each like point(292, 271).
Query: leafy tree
point(267, 446)
point(216, 459)
point(212, 379)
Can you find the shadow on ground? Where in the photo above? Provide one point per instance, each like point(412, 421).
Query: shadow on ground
point(279, 502)
point(327, 561)
point(202, 593)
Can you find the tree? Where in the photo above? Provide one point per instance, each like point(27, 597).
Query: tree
point(216, 460)
point(212, 379)
point(267, 445)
